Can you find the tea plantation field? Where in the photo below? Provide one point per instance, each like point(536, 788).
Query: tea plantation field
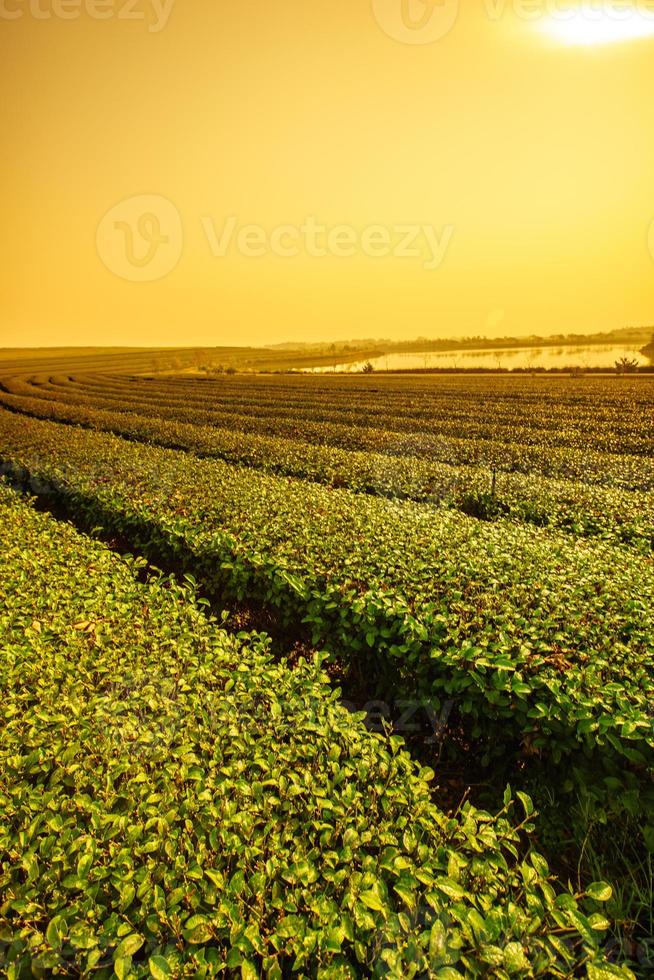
point(183, 795)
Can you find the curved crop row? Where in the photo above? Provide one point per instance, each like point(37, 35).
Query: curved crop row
point(173, 803)
point(615, 515)
point(581, 465)
point(549, 639)
point(615, 420)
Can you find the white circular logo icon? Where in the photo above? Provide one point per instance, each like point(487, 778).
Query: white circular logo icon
point(141, 238)
point(416, 21)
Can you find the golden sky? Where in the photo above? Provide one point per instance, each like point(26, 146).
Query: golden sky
point(203, 172)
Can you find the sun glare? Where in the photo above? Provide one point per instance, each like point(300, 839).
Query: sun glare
point(588, 27)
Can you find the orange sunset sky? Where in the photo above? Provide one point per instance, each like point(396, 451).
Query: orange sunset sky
point(511, 157)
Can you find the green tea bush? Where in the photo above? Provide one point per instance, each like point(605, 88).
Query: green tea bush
point(535, 636)
point(174, 803)
point(601, 438)
point(615, 514)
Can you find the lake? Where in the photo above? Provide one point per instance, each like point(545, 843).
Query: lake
point(589, 356)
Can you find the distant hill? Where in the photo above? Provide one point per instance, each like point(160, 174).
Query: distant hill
point(622, 335)
point(281, 357)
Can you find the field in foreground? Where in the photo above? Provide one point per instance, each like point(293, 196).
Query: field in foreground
point(474, 551)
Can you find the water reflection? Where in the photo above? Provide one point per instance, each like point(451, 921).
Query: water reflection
point(529, 358)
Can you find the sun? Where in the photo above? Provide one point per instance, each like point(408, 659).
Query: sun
point(591, 25)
